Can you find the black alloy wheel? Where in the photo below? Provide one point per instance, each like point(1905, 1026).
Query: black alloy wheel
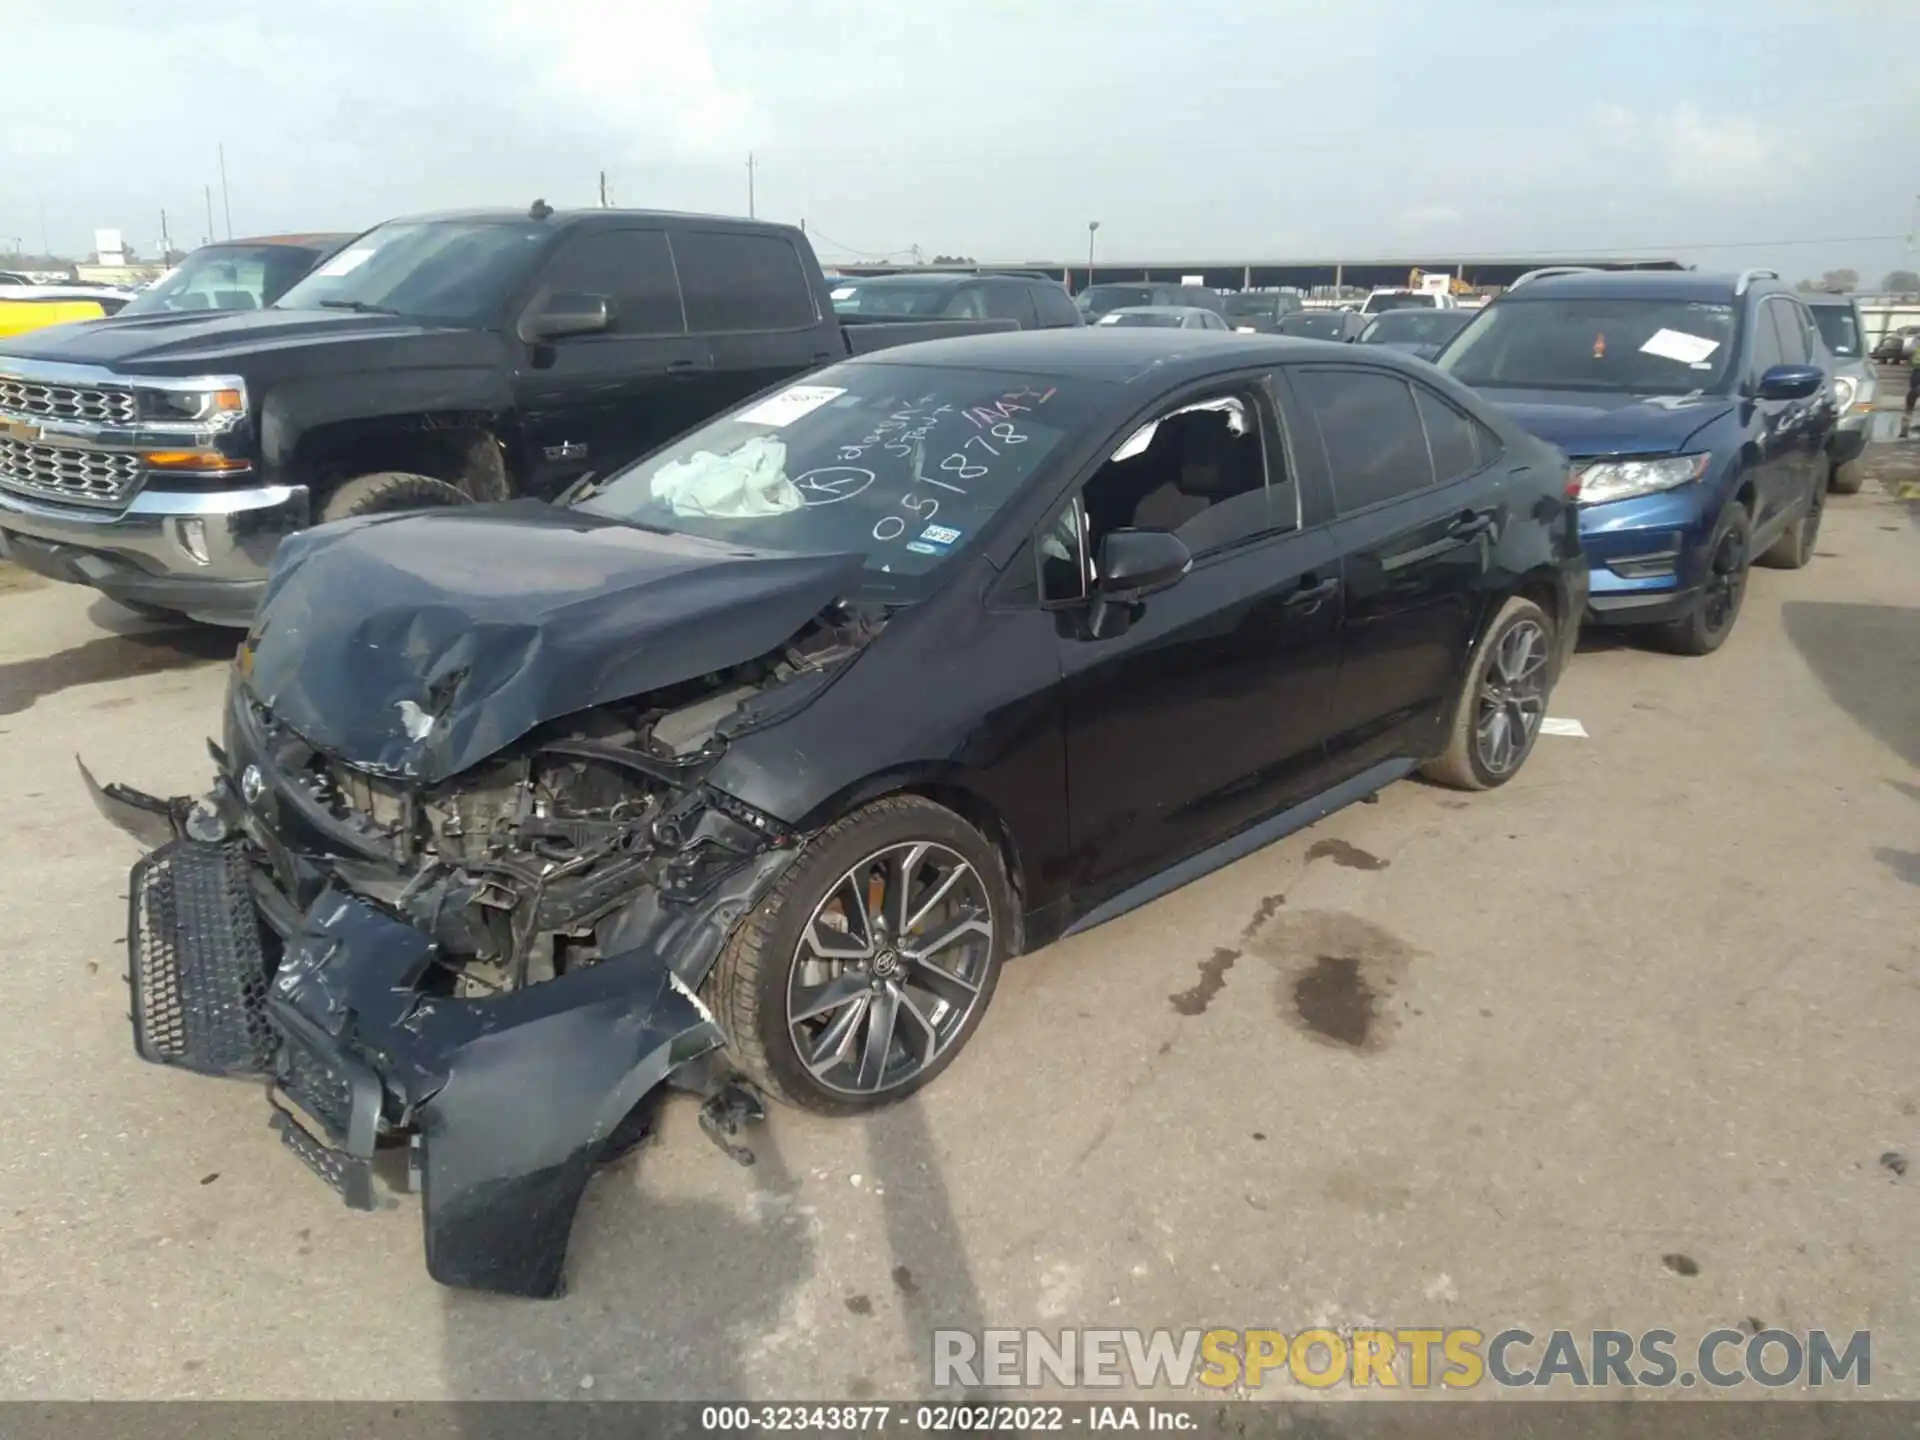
point(1513, 697)
point(864, 972)
point(1706, 626)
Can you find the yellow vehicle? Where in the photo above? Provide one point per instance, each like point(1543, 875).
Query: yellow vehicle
point(19, 316)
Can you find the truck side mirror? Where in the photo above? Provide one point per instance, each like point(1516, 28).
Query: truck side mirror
point(567, 313)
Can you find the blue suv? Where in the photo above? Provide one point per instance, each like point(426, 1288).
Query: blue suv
point(1696, 409)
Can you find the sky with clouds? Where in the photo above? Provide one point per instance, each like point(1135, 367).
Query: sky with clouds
point(1188, 128)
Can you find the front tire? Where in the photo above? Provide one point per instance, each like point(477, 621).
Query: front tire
point(859, 979)
point(1502, 700)
point(1705, 628)
point(1794, 549)
point(1846, 479)
point(389, 492)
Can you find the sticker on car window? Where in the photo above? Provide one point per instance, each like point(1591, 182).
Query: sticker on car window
point(1678, 345)
point(345, 263)
point(940, 534)
point(845, 292)
point(919, 549)
point(790, 404)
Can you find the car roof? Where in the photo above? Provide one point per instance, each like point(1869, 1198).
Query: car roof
point(1125, 354)
point(315, 241)
point(1160, 310)
point(1636, 285)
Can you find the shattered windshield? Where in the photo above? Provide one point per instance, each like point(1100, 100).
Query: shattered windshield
point(903, 463)
point(1633, 346)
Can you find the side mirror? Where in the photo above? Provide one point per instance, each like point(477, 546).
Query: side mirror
point(1137, 563)
point(567, 313)
point(1790, 382)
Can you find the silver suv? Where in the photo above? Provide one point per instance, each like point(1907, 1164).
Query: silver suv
point(1854, 382)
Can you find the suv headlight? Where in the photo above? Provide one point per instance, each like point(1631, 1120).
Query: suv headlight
point(1606, 480)
point(216, 404)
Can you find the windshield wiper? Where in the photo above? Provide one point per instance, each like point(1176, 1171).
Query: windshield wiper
point(359, 307)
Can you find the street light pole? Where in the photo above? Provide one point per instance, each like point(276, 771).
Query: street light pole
point(1092, 225)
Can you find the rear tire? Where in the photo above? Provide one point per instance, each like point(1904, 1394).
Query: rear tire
point(1705, 628)
point(389, 492)
point(1846, 479)
point(1502, 700)
point(1794, 549)
point(775, 968)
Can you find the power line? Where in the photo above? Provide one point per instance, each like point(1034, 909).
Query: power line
point(817, 233)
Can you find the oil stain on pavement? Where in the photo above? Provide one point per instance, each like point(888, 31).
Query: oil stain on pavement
point(1334, 975)
point(1341, 853)
point(111, 657)
point(1213, 976)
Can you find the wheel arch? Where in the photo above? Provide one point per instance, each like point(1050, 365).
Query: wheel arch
point(463, 449)
point(955, 788)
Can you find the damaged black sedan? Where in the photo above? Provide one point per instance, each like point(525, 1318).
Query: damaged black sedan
point(743, 770)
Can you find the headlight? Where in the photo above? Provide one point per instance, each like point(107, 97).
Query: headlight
point(1865, 391)
point(213, 404)
point(1843, 390)
point(1606, 480)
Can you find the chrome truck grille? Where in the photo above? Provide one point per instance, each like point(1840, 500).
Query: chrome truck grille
point(100, 405)
point(72, 476)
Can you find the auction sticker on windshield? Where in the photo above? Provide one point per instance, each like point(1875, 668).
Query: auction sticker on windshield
point(789, 405)
point(1678, 345)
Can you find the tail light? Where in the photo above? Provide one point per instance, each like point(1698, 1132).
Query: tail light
point(1573, 483)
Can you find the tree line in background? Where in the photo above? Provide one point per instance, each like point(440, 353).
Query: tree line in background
point(1842, 282)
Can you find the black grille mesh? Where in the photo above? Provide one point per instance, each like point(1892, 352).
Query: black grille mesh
point(322, 1091)
point(197, 971)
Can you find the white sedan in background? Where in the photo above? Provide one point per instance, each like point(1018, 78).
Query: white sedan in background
point(1164, 317)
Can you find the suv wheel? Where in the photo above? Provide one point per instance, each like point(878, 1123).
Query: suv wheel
point(390, 491)
point(1794, 548)
point(1846, 479)
point(1502, 700)
point(860, 977)
point(1705, 629)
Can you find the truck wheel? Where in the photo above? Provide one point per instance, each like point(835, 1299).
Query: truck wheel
point(868, 967)
point(390, 491)
point(1846, 479)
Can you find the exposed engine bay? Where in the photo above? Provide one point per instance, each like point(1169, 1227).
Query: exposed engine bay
point(512, 865)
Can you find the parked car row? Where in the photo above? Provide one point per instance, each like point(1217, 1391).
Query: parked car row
point(712, 678)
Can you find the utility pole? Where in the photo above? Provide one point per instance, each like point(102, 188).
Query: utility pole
point(166, 241)
point(226, 204)
point(1092, 225)
point(603, 191)
point(212, 235)
point(750, 214)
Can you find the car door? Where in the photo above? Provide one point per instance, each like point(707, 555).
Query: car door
point(1776, 473)
point(1414, 553)
point(592, 402)
point(750, 300)
point(1207, 710)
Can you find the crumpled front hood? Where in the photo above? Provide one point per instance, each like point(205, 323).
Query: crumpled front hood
point(1587, 423)
point(419, 645)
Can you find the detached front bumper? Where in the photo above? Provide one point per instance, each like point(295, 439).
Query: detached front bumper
point(503, 1106)
point(203, 553)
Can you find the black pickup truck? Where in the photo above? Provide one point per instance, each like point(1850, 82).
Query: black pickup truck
point(431, 361)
